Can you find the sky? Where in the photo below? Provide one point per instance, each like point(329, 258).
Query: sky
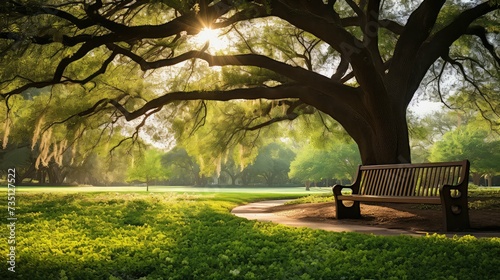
point(424, 107)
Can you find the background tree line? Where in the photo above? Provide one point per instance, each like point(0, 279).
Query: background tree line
point(441, 136)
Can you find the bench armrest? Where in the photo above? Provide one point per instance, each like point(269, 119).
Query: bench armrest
point(454, 191)
point(337, 189)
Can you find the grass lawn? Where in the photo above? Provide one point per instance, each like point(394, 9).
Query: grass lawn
point(192, 235)
point(182, 189)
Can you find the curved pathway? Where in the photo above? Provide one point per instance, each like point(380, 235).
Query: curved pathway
point(260, 211)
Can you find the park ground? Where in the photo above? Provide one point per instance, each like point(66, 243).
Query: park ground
point(484, 206)
point(189, 233)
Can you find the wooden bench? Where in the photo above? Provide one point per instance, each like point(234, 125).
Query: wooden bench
point(444, 183)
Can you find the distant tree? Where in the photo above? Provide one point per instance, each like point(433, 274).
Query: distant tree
point(337, 161)
point(148, 168)
point(310, 165)
point(230, 169)
point(425, 131)
point(99, 169)
point(182, 168)
point(14, 156)
point(472, 143)
point(272, 163)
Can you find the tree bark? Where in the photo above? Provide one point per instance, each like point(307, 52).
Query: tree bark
point(386, 143)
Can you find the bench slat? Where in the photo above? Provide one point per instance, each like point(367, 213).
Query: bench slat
point(390, 184)
point(426, 180)
point(380, 183)
point(379, 177)
point(452, 175)
point(410, 185)
point(403, 182)
point(438, 179)
point(392, 199)
point(422, 181)
point(430, 182)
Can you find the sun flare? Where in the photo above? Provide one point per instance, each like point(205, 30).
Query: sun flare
point(212, 36)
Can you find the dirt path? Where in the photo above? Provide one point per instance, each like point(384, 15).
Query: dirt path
point(397, 216)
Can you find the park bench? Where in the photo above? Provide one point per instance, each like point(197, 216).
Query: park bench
point(443, 183)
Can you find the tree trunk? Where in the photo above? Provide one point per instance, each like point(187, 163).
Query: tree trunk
point(384, 147)
point(382, 138)
point(245, 177)
point(231, 175)
point(489, 179)
point(476, 178)
point(375, 119)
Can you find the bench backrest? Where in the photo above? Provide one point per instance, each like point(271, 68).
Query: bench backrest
point(411, 179)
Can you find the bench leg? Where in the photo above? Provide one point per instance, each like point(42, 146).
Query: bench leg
point(455, 209)
point(456, 216)
point(347, 212)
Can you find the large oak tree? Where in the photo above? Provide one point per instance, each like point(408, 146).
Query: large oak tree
point(359, 61)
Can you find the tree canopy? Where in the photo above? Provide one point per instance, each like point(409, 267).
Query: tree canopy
point(357, 62)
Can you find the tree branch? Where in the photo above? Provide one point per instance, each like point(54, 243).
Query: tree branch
point(469, 80)
point(47, 10)
point(317, 81)
point(287, 117)
point(279, 92)
point(390, 25)
point(341, 68)
point(321, 27)
point(370, 33)
point(440, 42)
point(416, 31)
point(480, 32)
point(358, 10)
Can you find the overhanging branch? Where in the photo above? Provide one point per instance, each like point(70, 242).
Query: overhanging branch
point(438, 44)
point(480, 32)
point(312, 79)
point(469, 80)
point(390, 25)
point(57, 79)
point(287, 117)
point(46, 10)
point(279, 92)
point(295, 109)
point(416, 31)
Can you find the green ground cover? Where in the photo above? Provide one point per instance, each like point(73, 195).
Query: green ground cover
point(168, 235)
